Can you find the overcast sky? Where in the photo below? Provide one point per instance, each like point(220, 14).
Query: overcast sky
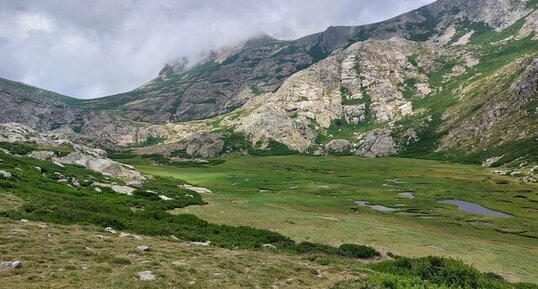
point(94, 48)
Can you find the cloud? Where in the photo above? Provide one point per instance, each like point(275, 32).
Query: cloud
point(94, 48)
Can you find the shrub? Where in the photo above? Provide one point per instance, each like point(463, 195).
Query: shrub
point(358, 251)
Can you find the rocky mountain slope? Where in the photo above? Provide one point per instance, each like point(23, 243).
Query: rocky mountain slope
point(453, 80)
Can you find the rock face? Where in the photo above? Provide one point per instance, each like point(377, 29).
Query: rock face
point(376, 143)
point(189, 141)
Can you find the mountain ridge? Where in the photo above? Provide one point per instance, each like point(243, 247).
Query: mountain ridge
point(397, 86)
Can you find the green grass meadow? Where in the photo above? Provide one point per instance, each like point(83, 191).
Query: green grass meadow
point(313, 199)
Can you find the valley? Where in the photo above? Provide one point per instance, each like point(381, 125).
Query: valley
point(392, 155)
point(314, 199)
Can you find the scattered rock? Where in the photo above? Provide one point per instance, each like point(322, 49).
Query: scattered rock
point(135, 184)
point(58, 164)
point(10, 265)
point(24, 221)
point(491, 161)
point(146, 276)
point(5, 174)
point(63, 181)
point(75, 182)
point(98, 189)
point(516, 174)
point(165, 198)
point(142, 248)
point(199, 190)
point(123, 190)
point(42, 155)
point(110, 230)
point(88, 249)
point(202, 244)
point(270, 246)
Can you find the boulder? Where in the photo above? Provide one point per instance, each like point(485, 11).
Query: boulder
point(202, 244)
point(142, 248)
point(111, 231)
point(199, 190)
point(165, 198)
point(5, 174)
point(146, 276)
point(10, 265)
point(42, 155)
point(135, 184)
point(123, 190)
point(338, 146)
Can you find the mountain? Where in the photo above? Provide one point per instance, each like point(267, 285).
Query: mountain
point(453, 80)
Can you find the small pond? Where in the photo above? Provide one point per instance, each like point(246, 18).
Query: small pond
point(473, 208)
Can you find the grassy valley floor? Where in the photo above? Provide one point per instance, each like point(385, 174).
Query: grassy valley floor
point(313, 198)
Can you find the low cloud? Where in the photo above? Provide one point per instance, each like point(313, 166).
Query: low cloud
point(94, 48)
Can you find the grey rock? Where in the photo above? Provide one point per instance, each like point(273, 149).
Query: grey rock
point(123, 190)
point(111, 231)
point(270, 246)
point(201, 244)
point(338, 146)
point(42, 155)
point(135, 184)
point(355, 114)
point(5, 174)
point(199, 190)
point(142, 248)
point(146, 276)
point(165, 198)
point(10, 265)
point(376, 143)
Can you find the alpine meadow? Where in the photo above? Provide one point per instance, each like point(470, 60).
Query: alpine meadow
point(398, 154)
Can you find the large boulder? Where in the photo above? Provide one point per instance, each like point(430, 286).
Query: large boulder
point(42, 155)
point(338, 146)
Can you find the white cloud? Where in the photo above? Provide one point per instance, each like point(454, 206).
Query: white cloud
point(100, 47)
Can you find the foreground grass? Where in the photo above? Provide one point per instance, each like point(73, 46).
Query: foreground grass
point(312, 199)
point(60, 256)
